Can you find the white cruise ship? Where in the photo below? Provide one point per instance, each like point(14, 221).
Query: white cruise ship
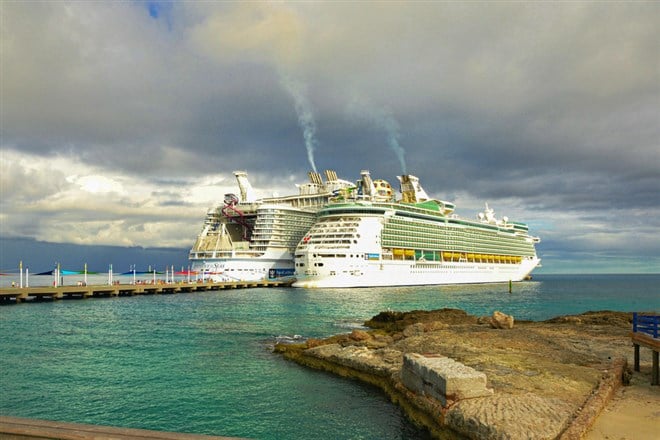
point(250, 239)
point(366, 238)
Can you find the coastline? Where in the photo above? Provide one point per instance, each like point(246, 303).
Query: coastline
point(551, 379)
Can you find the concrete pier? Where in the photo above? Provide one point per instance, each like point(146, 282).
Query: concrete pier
point(18, 294)
point(15, 428)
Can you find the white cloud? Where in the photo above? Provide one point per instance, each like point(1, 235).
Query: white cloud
point(43, 199)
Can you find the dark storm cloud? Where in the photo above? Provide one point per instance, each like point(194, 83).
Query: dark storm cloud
point(547, 110)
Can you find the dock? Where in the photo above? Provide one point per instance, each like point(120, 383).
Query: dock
point(20, 294)
point(21, 428)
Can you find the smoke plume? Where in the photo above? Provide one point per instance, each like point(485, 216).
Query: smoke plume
point(381, 118)
point(298, 92)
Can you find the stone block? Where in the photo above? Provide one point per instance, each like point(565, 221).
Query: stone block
point(501, 320)
point(442, 378)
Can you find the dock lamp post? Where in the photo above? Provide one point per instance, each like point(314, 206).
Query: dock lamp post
point(110, 275)
point(20, 270)
point(133, 269)
point(154, 274)
point(56, 274)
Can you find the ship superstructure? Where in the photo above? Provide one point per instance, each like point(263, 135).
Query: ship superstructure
point(367, 238)
point(249, 239)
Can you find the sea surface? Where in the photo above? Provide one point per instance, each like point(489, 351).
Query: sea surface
point(203, 362)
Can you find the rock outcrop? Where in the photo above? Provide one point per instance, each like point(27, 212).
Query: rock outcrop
point(501, 320)
point(537, 380)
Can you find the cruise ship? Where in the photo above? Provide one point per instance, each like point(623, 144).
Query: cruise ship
point(251, 239)
point(365, 238)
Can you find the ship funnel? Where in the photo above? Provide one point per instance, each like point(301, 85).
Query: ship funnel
point(411, 190)
point(247, 193)
point(330, 175)
point(315, 178)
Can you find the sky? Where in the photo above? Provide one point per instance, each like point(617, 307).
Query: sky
point(122, 122)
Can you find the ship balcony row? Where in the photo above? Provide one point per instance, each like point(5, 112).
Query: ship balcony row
point(224, 254)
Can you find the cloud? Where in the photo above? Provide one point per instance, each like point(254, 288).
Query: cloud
point(41, 200)
point(252, 31)
point(548, 112)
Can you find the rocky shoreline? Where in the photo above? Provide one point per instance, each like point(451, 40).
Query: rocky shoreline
point(549, 379)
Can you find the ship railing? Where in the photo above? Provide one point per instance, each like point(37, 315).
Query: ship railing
point(226, 254)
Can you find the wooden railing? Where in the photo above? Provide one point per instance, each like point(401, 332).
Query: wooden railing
point(648, 324)
point(645, 332)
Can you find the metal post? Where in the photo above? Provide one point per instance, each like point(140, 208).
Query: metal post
point(85, 274)
point(20, 269)
point(27, 277)
point(134, 275)
point(110, 275)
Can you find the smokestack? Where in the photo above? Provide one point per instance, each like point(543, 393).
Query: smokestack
point(411, 190)
point(330, 175)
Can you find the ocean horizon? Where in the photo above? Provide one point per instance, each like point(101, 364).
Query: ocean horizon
point(202, 362)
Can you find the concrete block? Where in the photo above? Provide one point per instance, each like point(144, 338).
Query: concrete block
point(442, 378)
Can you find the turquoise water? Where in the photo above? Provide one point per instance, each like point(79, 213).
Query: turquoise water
point(202, 362)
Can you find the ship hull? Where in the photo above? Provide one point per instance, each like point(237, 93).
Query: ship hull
point(406, 273)
point(270, 265)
